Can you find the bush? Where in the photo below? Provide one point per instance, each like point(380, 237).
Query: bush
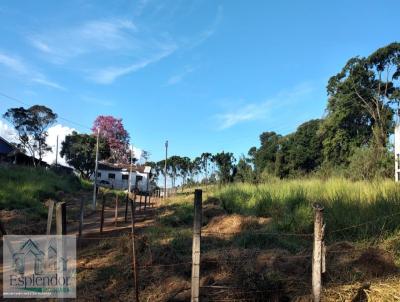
point(369, 163)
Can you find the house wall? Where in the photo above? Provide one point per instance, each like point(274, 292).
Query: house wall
point(138, 179)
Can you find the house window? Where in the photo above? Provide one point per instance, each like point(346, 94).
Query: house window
point(98, 174)
point(125, 176)
point(111, 176)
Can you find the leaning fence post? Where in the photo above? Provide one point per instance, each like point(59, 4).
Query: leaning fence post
point(116, 210)
point(61, 218)
point(126, 207)
point(49, 216)
point(317, 260)
point(196, 245)
point(103, 201)
point(134, 260)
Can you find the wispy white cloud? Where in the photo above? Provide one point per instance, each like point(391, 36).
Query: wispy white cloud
point(257, 111)
point(110, 74)
point(177, 78)
point(19, 67)
point(45, 82)
point(248, 112)
point(60, 45)
point(97, 101)
point(209, 32)
point(13, 63)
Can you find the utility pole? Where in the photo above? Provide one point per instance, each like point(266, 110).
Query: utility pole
point(57, 153)
point(165, 170)
point(95, 170)
point(130, 173)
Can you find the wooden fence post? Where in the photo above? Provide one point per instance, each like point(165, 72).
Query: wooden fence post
point(116, 210)
point(134, 260)
point(49, 216)
point(81, 210)
point(126, 207)
point(196, 246)
point(61, 226)
point(317, 260)
point(103, 203)
point(140, 202)
point(61, 218)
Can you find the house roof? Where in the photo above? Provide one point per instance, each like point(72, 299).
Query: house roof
point(5, 146)
point(118, 167)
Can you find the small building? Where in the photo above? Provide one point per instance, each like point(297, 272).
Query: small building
point(5, 149)
point(116, 176)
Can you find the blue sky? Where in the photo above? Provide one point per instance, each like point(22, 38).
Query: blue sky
point(206, 75)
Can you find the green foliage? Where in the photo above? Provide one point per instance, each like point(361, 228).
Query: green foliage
point(244, 171)
point(369, 163)
point(31, 125)
point(226, 168)
point(24, 187)
point(79, 151)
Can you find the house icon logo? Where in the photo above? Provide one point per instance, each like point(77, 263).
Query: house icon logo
point(30, 255)
point(39, 266)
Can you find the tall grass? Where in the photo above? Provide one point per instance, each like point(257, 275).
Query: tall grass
point(25, 187)
point(346, 203)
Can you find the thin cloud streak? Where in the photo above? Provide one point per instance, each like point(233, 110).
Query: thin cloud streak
point(92, 36)
point(110, 74)
point(19, 67)
point(258, 111)
point(177, 78)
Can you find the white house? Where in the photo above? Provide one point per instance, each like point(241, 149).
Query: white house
point(116, 176)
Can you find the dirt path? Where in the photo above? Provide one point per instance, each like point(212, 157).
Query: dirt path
point(91, 223)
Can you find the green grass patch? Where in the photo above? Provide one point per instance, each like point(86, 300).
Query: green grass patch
point(26, 187)
point(346, 203)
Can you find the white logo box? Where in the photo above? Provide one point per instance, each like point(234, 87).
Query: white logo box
point(39, 266)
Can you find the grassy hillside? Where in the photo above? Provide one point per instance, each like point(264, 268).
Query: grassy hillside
point(25, 187)
point(346, 204)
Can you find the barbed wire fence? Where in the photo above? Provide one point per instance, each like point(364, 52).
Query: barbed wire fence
point(189, 266)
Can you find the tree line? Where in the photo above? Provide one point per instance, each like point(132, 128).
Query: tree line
point(352, 139)
point(78, 149)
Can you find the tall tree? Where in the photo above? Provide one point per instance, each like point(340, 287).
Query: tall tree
point(306, 147)
point(264, 157)
point(244, 170)
point(361, 95)
point(117, 137)
point(79, 151)
point(32, 125)
point(225, 162)
point(206, 159)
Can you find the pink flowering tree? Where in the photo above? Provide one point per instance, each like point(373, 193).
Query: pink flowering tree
point(117, 137)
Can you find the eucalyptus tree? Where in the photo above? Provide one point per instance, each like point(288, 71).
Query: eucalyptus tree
point(31, 125)
point(360, 105)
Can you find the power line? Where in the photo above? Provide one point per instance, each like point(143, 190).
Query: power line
point(26, 104)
